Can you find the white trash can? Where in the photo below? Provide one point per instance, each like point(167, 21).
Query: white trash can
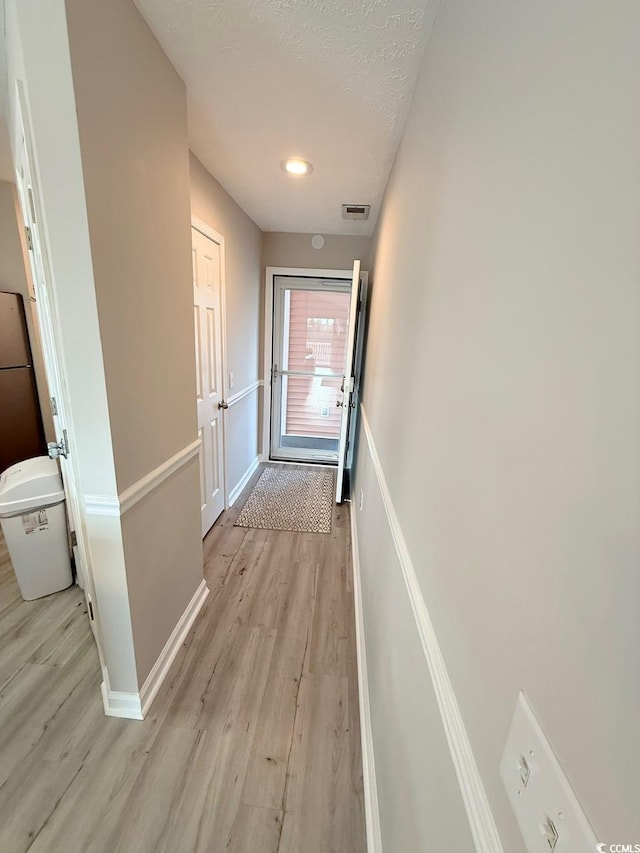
point(35, 526)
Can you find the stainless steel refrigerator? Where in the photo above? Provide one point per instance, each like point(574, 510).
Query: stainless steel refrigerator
point(21, 430)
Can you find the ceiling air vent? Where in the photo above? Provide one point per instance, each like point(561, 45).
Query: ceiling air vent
point(355, 211)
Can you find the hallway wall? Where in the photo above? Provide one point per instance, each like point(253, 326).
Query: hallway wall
point(132, 120)
point(243, 245)
point(282, 249)
point(133, 133)
point(505, 320)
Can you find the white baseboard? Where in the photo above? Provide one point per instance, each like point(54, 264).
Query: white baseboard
point(119, 704)
point(235, 493)
point(134, 706)
point(372, 814)
point(481, 820)
point(161, 667)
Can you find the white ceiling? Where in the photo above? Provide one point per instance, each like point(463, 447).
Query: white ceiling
point(326, 80)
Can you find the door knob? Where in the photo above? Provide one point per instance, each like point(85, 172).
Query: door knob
point(223, 405)
point(338, 403)
point(59, 448)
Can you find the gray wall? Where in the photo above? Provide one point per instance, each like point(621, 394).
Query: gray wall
point(132, 120)
point(282, 249)
point(505, 326)
point(133, 132)
point(243, 285)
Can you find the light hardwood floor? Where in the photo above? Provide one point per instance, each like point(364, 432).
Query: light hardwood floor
point(253, 744)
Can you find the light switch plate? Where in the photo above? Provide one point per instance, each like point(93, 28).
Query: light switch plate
point(232, 379)
point(549, 815)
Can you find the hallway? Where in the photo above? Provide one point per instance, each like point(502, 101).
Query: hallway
point(253, 743)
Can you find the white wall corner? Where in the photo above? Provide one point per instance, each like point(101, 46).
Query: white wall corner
point(161, 667)
point(371, 808)
point(479, 814)
point(237, 490)
point(119, 704)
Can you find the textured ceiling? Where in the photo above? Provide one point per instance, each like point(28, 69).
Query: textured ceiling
point(326, 80)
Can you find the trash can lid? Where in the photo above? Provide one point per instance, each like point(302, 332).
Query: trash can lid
point(30, 484)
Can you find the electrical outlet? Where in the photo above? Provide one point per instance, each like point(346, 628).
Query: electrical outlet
point(232, 379)
point(548, 813)
point(361, 502)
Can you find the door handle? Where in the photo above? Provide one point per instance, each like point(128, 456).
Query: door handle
point(59, 448)
point(223, 405)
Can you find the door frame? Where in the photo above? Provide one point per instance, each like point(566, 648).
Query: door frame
point(205, 229)
point(267, 357)
point(50, 335)
point(349, 377)
point(278, 330)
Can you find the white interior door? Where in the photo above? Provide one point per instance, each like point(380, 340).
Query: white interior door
point(47, 316)
point(208, 277)
point(348, 383)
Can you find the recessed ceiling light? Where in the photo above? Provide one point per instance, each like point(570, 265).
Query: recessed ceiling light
point(295, 166)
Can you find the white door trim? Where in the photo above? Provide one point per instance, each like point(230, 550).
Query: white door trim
point(348, 386)
point(267, 357)
point(201, 226)
point(280, 345)
point(51, 337)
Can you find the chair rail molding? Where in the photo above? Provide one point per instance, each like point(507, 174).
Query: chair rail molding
point(105, 505)
point(479, 814)
point(240, 395)
point(116, 505)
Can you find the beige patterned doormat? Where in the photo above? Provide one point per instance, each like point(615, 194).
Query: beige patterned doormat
point(290, 499)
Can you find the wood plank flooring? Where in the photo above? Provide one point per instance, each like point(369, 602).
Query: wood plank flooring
point(253, 744)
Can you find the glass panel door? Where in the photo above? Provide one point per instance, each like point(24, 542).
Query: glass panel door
point(311, 318)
